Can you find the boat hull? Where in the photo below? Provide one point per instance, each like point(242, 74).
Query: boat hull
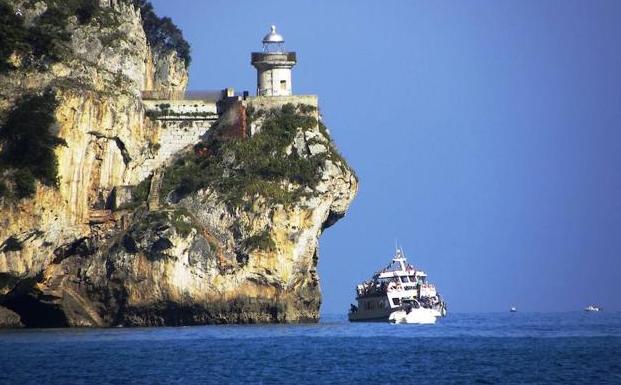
point(419, 316)
point(376, 315)
point(383, 315)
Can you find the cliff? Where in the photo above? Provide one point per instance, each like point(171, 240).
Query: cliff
point(225, 231)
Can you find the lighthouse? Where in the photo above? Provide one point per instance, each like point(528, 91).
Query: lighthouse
point(273, 66)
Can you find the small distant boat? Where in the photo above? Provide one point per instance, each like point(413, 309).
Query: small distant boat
point(513, 309)
point(592, 308)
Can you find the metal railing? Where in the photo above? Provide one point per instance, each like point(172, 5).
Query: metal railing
point(280, 56)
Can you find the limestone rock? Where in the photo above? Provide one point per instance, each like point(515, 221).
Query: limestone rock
point(79, 255)
point(9, 319)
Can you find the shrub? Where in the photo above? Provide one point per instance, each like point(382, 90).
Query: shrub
point(307, 108)
point(12, 35)
point(183, 222)
point(59, 11)
point(4, 190)
point(161, 32)
point(11, 244)
point(86, 10)
point(262, 241)
point(47, 38)
point(28, 144)
point(24, 184)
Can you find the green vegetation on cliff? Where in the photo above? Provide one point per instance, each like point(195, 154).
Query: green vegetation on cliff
point(27, 146)
point(264, 164)
point(262, 241)
point(161, 32)
point(48, 38)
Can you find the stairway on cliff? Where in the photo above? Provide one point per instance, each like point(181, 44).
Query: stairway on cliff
point(154, 190)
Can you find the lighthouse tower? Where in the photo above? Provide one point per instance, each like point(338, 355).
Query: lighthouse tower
point(273, 66)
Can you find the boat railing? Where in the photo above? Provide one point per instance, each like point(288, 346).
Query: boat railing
point(371, 289)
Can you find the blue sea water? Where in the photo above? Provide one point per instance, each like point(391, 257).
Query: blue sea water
point(519, 348)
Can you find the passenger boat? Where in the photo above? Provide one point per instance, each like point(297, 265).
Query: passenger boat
point(592, 308)
point(399, 289)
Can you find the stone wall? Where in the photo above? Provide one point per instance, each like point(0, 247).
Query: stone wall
point(181, 109)
point(180, 123)
point(177, 135)
point(272, 102)
point(269, 102)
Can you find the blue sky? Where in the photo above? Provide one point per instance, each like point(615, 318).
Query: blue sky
point(486, 134)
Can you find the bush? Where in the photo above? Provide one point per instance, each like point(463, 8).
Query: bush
point(12, 35)
point(11, 244)
point(183, 222)
point(140, 192)
point(47, 38)
point(59, 11)
point(28, 144)
point(162, 33)
point(262, 241)
point(4, 190)
point(86, 10)
point(24, 183)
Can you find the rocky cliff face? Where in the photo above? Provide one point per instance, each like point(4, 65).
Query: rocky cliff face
point(198, 258)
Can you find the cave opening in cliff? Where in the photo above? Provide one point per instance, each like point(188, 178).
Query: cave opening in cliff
point(36, 313)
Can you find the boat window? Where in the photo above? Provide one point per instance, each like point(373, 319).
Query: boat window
point(412, 278)
point(395, 301)
point(405, 279)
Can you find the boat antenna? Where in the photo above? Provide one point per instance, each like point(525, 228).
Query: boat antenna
point(396, 246)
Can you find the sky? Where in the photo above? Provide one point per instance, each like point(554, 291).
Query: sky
point(486, 135)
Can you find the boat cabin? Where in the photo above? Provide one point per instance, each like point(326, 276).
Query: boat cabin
point(393, 285)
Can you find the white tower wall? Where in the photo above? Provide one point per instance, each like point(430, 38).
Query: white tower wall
point(274, 82)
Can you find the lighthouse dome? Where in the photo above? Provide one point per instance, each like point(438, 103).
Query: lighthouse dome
point(273, 37)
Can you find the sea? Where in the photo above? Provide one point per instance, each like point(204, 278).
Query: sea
point(495, 348)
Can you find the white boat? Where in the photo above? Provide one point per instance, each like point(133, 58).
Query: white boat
point(592, 308)
point(398, 293)
point(513, 309)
